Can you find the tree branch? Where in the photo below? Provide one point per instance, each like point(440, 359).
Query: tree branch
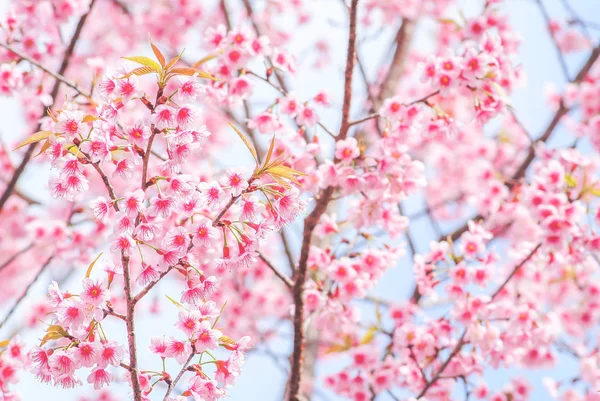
point(130, 323)
point(403, 40)
point(311, 221)
point(561, 56)
point(63, 67)
point(57, 76)
point(24, 295)
point(179, 376)
point(285, 279)
point(15, 256)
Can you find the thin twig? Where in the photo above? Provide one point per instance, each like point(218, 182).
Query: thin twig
point(178, 377)
point(286, 280)
point(561, 56)
point(55, 75)
point(151, 285)
point(367, 118)
point(15, 256)
point(53, 94)
point(286, 248)
point(122, 7)
point(24, 295)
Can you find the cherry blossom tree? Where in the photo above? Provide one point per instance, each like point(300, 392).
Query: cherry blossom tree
point(190, 180)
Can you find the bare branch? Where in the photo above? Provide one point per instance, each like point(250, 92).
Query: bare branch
point(57, 76)
point(15, 256)
point(24, 295)
point(561, 56)
point(286, 280)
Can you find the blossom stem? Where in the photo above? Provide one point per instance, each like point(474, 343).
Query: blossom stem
point(178, 377)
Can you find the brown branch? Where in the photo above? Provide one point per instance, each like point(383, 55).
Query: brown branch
point(151, 285)
point(216, 223)
point(363, 74)
point(226, 14)
point(63, 67)
point(122, 7)
point(110, 312)
point(24, 295)
point(362, 120)
point(575, 18)
point(285, 279)
point(26, 198)
point(179, 376)
point(403, 40)
point(286, 248)
point(107, 184)
point(311, 221)
point(561, 56)
point(57, 76)
point(130, 323)
point(424, 99)
point(409, 238)
point(146, 158)
point(15, 256)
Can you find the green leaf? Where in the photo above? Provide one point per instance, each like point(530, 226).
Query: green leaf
point(595, 191)
point(270, 152)
point(284, 172)
point(369, 336)
point(139, 72)
point(44, 148)
point(344, 346)
point(53, 332)
point(227, 340)
point(247, 142)
point(146, 61)
point(38, 136)
point(89, 118)
point(378, 313)
point(91, 266)
point(158, 54)
point(570, 180)
point(205, 59)
point(190, 72)
point(174, 61)
point(174, 302)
